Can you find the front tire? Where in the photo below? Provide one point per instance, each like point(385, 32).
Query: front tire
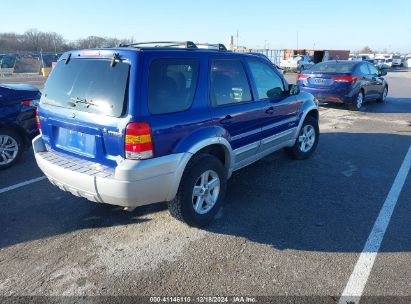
point(11, 148)
point(307, 140)
point(201, 191)
point(383, 95)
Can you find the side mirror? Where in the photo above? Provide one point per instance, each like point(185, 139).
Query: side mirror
point(275, 93)
point(294, 89)
point(382, 73)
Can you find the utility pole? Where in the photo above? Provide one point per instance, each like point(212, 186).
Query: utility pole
point(297, 40)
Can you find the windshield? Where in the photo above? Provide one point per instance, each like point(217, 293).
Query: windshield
point(330, 67)
point(89, 85)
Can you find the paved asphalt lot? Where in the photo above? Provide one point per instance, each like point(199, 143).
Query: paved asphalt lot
point(293, 228)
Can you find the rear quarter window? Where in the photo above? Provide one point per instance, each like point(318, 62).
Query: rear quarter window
point(171, 85)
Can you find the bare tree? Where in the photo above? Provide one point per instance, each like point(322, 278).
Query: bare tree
point(366, 50)
point(34, 40)
point(31, 39)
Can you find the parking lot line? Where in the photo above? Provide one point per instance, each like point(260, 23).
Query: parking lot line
point(356, 284)
point(22, 184)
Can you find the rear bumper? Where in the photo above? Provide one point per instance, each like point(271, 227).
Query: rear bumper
point(130, 184)
point(325, 96)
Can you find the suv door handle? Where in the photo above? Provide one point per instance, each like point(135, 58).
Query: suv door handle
point(270, 110)
point(226, 120)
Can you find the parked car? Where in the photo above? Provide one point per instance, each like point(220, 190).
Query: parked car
point(348, 82)
point(17, 121)
point(7, 61)
point(296, 63)
point(360, 58)
point(385, 63)
point(407, 61)
point(396, 61)
point(135, 125)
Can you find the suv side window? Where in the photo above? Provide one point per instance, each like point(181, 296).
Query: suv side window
point(268, 83)
point(229, 83)
point(171, 85)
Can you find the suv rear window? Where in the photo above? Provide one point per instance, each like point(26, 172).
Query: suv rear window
point(171, 85)
point(89, 85)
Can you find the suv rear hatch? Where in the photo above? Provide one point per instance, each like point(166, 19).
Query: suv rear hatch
point(84, 105)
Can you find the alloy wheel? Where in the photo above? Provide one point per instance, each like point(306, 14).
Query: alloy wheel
point(307, 138)
point(359, 101)
point(205, 192)
point(9, 149)
point(384, 94)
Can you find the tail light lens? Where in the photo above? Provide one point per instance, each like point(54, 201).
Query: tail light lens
point(38, 119)
point(30, 103)
point(138, 142)
point(27, 103)
point(345, 79)
point(302, 77)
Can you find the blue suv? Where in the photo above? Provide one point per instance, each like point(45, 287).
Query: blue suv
point(169, 121)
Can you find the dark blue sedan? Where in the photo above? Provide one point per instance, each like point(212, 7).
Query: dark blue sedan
point(17, 121)
point(344, 81)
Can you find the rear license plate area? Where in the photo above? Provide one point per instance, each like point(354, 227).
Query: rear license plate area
point(76, 142)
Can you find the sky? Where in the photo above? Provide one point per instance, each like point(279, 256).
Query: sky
point(320, 24)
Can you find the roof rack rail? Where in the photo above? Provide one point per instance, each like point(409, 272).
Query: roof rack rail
point(219, 46)
point(174, 44)
point(166, 44)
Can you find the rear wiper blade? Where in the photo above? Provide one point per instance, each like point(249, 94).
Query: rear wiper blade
point(76, 100)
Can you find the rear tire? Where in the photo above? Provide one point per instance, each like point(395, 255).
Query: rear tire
point(307, 140)
point(357, 102)
point(11, 148)
point(201, 191)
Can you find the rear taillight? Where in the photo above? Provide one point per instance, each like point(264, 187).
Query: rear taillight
point(27, 103)
point(30, 103)
point(38, 119)
point(138, 142)
point(345, 79)
point(302, 77)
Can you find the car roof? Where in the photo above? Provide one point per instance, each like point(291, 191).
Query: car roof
point(108, 53)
